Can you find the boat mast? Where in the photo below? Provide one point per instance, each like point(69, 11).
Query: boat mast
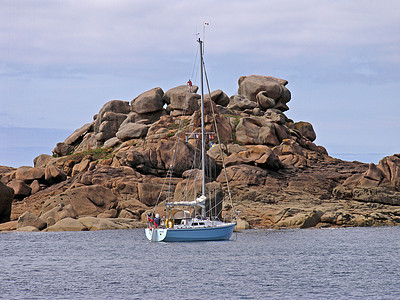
point(203, 138)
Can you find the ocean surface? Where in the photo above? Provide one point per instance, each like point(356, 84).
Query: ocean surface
point(345, 263)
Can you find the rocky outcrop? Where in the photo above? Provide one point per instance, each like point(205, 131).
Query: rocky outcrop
point(21, 189)
point(57, 213)
point(67, 224)
point(6, 197)
point(219, 97)
point(53, 175)
point(30, 219)
point(111, 171)
point(242, 224)
point(267, 91)
point(264, 101)
point(213, 124)
point(293, 218)
point(241, 102)
point(94, 134)
point(376, 195)
point(92, 223)
point(29, 174)
point(85, 200)
point(256, 130)
point(259, 155)
point(111, 143)
point(148, 102)
point(306, 130)
point(63, 149)
point(184, 104)
point(152, 191)
point(182, 89)
point(43, 160)
point(390, 167)
point(109, 125)
point(28, 229)
point(145, 118)
point(132, 131)
point(378, 184)
point(83, 166)
point(244, 175)
point(131, 209)
point(5, 170)
point(78, 134)
point(156, 158)
point(8, 226)
point(291, 153)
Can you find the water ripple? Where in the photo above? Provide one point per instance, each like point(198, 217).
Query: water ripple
point(349, 263)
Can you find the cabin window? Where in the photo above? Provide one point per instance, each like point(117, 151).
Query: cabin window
point(198, 224)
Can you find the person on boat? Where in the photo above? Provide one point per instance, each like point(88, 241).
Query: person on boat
point(151, 221)
point(157, 220)
point(189, 83)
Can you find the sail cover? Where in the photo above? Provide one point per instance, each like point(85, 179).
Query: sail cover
point(199, 202)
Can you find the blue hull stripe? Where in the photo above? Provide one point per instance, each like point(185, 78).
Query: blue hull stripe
point(200, 234)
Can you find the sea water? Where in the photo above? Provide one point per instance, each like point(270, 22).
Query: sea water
point(345, 263)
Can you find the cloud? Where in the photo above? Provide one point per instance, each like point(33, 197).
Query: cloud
point(60, 61)
point(319, 39)
point(126, 31)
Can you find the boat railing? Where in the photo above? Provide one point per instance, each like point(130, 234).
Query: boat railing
point(231, 217)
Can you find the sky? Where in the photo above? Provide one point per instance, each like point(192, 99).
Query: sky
point(61, 61)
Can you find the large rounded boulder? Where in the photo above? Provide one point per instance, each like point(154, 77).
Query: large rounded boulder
point(85, 200)
point(109, 118)
point(306, 129)
point(273, 94)
point(256, 131)
point(149, 101)
point(182, 89)
point(219, 97)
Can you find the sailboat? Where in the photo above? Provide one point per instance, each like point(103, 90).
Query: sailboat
point(198, 224)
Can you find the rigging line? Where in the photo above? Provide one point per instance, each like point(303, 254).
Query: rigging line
point(211, 192)
point(178, 137)
point(162, 188)
point(159, 195)
point(218, 137)
point(214, 207)
point(195, 62)
point(191, 185)
point(175, 152)
point(193, 176)
point(169, 175)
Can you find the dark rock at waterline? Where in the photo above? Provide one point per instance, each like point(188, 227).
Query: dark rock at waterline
point(6, 197)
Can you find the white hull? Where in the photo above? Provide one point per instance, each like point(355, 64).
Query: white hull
point(191, 234)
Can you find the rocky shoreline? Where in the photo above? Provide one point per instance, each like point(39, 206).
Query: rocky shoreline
point(110, 172)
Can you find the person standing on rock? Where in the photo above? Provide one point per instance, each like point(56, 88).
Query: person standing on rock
point(189, 83)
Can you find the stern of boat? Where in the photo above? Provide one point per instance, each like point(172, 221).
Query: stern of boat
point(156, 234)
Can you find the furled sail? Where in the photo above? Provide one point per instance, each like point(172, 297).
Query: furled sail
point(199, 202)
